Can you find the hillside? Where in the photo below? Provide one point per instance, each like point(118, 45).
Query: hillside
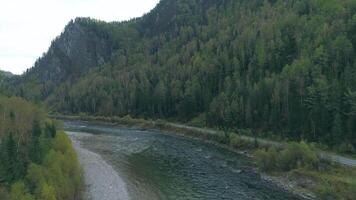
point(4, 77)
point(285, 67)
point(5, 74)
point(37, 162)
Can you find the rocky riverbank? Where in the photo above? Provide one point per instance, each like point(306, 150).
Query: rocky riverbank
point(101, 180)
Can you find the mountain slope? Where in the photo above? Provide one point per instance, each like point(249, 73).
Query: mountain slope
point(282, 66)
point(80, 47)
point(4, 77)
point(6, 74)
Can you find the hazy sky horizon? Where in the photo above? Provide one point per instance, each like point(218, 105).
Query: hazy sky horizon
point(28, 27)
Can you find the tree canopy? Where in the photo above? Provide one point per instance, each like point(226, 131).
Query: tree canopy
point(36, 162)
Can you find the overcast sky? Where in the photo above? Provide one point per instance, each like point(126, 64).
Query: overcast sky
point(27, 27)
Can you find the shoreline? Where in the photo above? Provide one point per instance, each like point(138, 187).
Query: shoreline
point(281, 182)
point(102, 182)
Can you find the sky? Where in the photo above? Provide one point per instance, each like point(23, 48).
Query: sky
point(27, 27)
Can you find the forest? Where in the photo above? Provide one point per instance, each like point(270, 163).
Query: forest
point(284, 68)
point(36, 160)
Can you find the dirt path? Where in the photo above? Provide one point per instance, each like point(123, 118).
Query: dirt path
point(102, 181)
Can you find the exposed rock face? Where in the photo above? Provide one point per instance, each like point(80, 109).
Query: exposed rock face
point(79, 48)
point(86, 44)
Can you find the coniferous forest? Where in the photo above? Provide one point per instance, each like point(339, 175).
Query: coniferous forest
point(278, 67)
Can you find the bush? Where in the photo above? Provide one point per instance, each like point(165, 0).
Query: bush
point(353, 189)
point(64, 172)
point(296, 155)
point(266, 160)
point(19, 192)
point(47, 193)
point(215, 137)
point(199, 121)
point(62, 143)
point(35, 178)
point(237, 142)
point(346, 148)
point(325, 191)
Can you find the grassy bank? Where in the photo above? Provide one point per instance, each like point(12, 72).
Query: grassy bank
point(298, 164)
point(294, 166)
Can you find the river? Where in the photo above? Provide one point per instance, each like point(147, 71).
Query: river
point(152, 165)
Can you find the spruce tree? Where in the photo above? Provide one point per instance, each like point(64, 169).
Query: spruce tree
point(36, 152)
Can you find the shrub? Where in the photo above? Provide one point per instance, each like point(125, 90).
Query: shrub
point(19, 192)
point(266, 160)
point(295, 155)
point(309, 157)
point(346, 148)
point(47, 193)
point(220, 138)
point(327, 192)
point(353, 189)
point(35, 177)
point(199, 121)
point(62, 143)
point(237, 142)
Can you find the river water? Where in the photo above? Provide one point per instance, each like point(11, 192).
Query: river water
point(159, 166)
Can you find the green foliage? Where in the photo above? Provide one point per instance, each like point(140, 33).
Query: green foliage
point(64, 172)
point(239, 143)
point(48, 193)
point(17, 116)
point(60, 176)
point(346, 148)
point(36, 178)
point(284, 67)
point(295, 155)
point(50, 129)
point(335, 182)
point(62, 143)
point(267, 160)
point(19, 192)
point(36, 151)
point(199, 121)
point(12, 161)
point(36, 162)
point(326, 191)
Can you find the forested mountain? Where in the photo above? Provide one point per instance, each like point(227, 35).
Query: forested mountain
point(5, 74)
point(4, 77)
point(281, 66)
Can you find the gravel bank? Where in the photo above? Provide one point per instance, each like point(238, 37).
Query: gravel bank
point(102, 181)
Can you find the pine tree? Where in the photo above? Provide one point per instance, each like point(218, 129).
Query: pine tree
point(36, 152)
point(14, 166)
